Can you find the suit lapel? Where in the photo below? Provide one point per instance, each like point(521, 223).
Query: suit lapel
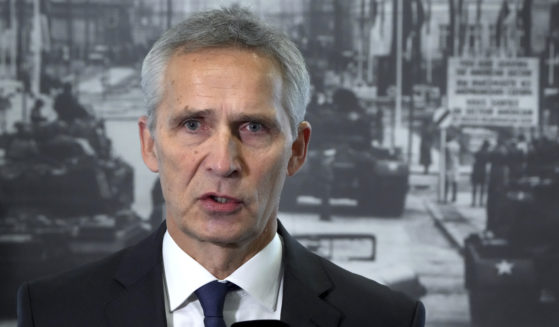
point(305, 286)
point(138, 286)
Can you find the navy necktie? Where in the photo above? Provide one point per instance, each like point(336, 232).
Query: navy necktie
point(212, 297)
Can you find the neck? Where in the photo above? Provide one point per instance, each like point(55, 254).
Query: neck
point(222, 259)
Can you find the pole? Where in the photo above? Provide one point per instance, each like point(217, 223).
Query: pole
point(457, 23)
point(4, 37)
point(428, 54)
point(551, 63)
point(19, 23)
point(429, 64)
point(3, 59)
point(370, 62)
point(19, 15)
point(398, 103)
point(69, 31)
point(465, 19)
point(169, 13)
point(514, 39)
point(442, 166)
point(14, 33)
point(160, 19)
point(35, 82)
point(410, 129)
point(87, 28)
point(360, 49)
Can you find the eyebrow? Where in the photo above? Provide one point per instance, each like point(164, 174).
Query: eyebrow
point(188, 112)
point(268, 120)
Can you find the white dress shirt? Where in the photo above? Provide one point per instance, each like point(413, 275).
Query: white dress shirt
point(260, 281)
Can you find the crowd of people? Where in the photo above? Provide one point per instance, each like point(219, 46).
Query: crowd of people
point(494, 166)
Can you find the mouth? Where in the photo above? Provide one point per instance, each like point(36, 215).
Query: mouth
point(219, 199)
point(219, 203)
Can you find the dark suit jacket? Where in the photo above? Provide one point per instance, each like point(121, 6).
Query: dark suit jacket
point(125, 289)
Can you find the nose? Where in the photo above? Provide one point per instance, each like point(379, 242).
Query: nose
point(224, 155)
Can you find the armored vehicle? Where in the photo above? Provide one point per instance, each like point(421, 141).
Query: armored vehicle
point(64, 200)
point(511, 271)
point(343, 162)
point(376, 179)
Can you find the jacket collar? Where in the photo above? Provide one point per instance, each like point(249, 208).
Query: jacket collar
point(138, 293)
point(139, 299)
point(305, 284)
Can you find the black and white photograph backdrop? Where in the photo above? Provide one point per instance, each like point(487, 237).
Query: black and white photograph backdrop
point(433, 165)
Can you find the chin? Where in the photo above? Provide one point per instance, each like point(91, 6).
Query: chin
point(221, 229)
point(227, 239)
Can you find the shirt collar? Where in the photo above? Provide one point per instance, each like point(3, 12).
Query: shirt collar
point(260, 277)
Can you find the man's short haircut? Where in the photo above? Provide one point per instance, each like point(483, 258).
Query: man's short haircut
point(228, 27)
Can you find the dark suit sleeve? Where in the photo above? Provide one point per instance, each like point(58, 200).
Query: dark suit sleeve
point(419, 315)
point(24, 314)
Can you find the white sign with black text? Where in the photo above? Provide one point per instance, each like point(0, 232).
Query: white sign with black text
point(493, 91)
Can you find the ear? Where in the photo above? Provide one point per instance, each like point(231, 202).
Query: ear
point(149, 153)
point(299, 148)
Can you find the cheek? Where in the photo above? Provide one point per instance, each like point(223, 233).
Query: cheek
point(177, 166)
point(273, 172)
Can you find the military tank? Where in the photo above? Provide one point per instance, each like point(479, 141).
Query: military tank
point(511, 269)
point(344, 163)
point(65, 200)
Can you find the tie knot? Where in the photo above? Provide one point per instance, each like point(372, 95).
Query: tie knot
point(212, 297)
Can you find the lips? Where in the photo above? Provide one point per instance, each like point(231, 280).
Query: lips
point(219, 203)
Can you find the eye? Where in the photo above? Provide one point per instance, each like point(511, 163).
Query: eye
point(254, 127)
point(192, 125)
point(256, 133)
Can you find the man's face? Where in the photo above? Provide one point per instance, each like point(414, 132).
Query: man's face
point(223, 146)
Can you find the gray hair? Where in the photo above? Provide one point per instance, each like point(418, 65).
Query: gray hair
point(228, 27)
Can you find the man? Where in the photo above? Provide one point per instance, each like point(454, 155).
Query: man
point(226, 98)
point(452, 153)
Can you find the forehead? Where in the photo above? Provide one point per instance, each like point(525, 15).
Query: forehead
point(230, 79)
point(222, 67)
